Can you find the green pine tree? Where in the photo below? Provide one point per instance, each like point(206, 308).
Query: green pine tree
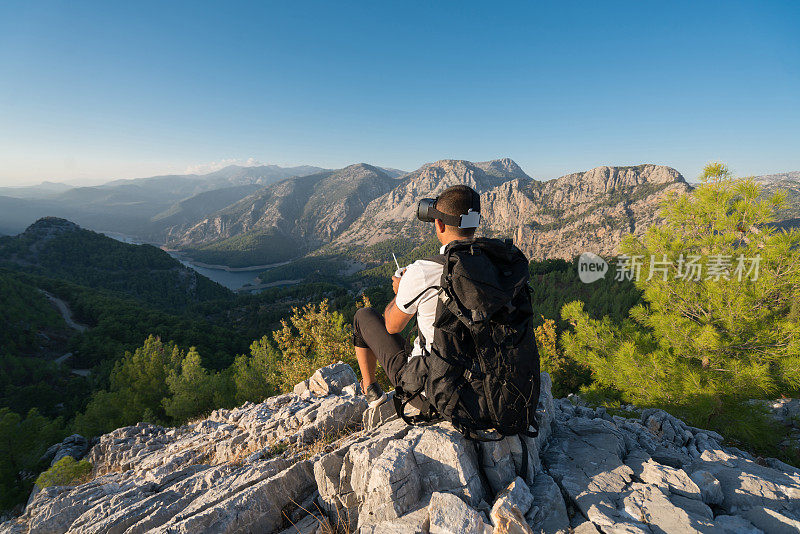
point(709, 341)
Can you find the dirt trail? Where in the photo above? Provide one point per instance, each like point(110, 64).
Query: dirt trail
point(66, 313)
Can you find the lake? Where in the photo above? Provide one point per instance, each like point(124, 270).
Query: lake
point(233, 280)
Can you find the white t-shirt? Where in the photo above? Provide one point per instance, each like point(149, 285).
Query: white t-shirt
point(418, 276)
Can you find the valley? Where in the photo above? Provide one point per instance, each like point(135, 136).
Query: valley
point(228, 291)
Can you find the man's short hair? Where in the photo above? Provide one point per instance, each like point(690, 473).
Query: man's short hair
point(457, 200)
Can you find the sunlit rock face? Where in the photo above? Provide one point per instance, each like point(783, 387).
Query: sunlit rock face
point(315, 458)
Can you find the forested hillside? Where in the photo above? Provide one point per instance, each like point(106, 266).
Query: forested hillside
point(58, 248)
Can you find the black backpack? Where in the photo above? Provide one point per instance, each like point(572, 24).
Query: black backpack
point(482, 372)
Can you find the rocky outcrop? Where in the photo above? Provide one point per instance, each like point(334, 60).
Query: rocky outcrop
point(303, 462)
point(75, 446)
point(587, 211)
point(561, 218)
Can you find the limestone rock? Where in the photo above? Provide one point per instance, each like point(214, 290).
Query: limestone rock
point(237, 470)
point(650, 505)
point(332, 379)
point(548, 513)
point(516, 495)
point(585, 527)
point(310, 524)
point(731, 524)
point(768, 498)
point(302, 462)
point(383, 413)
point(670, 479)
point(75, 446)
point(447, 514)
point(710, 488)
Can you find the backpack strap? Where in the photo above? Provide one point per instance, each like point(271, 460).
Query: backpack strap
point(441, 259)
point(482, 471)
point(524, 467)
point(402, 399)
point(412, 301)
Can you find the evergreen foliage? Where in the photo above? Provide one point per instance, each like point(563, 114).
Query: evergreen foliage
point(314, 337)
point(703, 347)
point(64, 472)
point(91, 259)
point(256, 247)
point(23, 441)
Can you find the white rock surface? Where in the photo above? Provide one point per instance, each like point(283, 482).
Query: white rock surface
point(265, 467)
point(447, 514)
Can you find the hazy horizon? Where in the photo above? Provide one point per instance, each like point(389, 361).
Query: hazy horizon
point(93, 92)
point(204, 169)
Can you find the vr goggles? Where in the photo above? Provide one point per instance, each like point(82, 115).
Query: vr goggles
point(427, 212)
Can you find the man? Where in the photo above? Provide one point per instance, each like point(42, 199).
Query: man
point(377, 338)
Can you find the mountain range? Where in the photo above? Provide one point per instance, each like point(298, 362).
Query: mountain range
point(286, 219)
point(240, 216)
point(138, 206)
point(353, 210)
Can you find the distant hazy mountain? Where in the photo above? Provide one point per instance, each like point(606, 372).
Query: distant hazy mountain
point(57, 248)
point(394, 173)
point(190, 184)
point(129, 206)
point(198, 206)
point(285, 219)
point(42, 190)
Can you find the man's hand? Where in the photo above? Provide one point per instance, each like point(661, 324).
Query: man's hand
point(395, 283)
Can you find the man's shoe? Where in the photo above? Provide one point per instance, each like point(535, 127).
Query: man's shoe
point(375, 395)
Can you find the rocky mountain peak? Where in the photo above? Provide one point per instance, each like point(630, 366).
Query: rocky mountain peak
point(393, 214)
point(480, 176)
point(318, 460)
point(361, 169)
point(607, 179)
point(503, 167)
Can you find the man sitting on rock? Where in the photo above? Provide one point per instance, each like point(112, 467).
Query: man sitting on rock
point(377, 337)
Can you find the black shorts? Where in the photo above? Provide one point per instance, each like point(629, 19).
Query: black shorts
point(391, 350)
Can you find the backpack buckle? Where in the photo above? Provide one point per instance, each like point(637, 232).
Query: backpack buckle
point(475, 372)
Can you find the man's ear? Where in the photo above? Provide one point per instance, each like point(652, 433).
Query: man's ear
point(439, 226)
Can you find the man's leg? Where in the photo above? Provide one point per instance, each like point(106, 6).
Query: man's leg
point(367, 363)
point(374, 344)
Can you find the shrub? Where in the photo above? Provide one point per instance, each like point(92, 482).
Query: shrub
point(568, 375)
point(64, 472)
point(313, 337)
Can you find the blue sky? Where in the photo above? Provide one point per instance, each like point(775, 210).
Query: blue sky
point(95, 91)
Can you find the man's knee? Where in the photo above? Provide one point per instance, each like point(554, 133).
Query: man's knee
point(362, 318)
point(363, 315)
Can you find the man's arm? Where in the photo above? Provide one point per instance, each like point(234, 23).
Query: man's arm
point(395, 319)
